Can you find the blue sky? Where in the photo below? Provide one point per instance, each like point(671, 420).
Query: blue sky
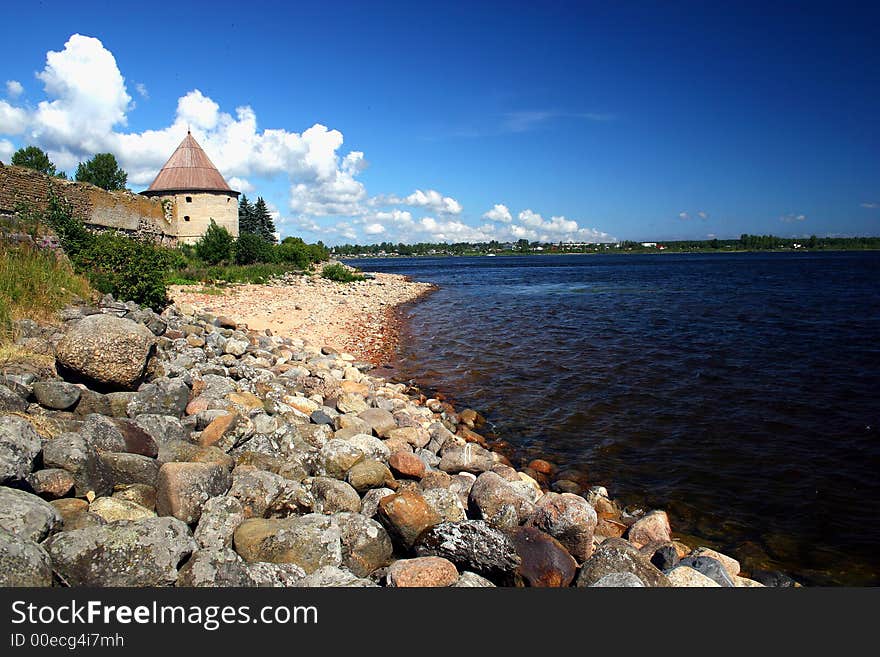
point(461, 121)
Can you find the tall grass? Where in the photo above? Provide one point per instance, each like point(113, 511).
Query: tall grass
point(35, 284)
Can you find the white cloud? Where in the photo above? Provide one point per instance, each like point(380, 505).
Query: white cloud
point(703, 215)
point(429, 199)
point(684, 215)
point(792, 217)
point(871, 206)
point(13, 120)
point(374, 228)
point(141, 88)
point(14, 88)
point(6, 150)
point(499, 213)
point(241, 185)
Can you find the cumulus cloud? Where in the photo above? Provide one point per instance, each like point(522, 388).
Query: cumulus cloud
point(791, 217)
point(429, 199)
point(6, 150)
point(241, 185)
point(374, 228)
point(14, 88)
point(499, 213)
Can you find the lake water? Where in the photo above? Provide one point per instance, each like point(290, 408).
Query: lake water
point(740, 392)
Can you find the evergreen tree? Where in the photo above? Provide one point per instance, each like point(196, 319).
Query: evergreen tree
point(246, 222)
point(265, 227)
point(103, 171)
point(36, 159)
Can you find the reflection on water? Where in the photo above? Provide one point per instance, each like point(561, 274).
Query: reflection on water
point(739, 392)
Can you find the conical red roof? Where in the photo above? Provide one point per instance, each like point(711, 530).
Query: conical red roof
point(189, 169)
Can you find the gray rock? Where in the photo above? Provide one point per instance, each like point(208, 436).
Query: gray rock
point(19, 447)
point(51, 483)
point(122, 468)
point(27, 515)
point(471, 545)
point(114, 509)
point(11, 401)
point(106, 349)
point(618, 580)
point(466, 458)
point(371, 446)
point(103, 434)
point(160, 397)
point(125, 553)
point(23, 562)
point(711, 568)
point(370, 501)
point(310, 541)
point(366, 545)
point(57, 395)
point(332, 495)
point(215, 567)
point(93, 402)
point(263, 493)
point(379, 420)
point(337, 457)
point(469, 580)
point(162, 428)
point(615, 555)
point(183, 488)
point(446, 503)
point(498, 503)
point(331, 576)
point(221, 516)
point(275, 575)
point(235, 347)
point(70, 452)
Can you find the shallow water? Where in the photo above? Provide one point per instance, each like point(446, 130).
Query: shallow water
point(741, 392)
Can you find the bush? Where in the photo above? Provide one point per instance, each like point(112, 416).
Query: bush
point(340, 273)
point(250, 248)
point(216, 245)
point(127, 269)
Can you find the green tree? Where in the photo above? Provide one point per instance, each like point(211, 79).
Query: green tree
point(246, 222)
point(216, 245)
point(812, 243)
point(103, 171)
point(36, 159)
point(263, 223)
point(250, 248)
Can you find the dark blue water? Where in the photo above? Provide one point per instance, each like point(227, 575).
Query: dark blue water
point(741, 392)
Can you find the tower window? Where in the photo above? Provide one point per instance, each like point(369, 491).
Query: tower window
point(189, 199)
point(186, 218)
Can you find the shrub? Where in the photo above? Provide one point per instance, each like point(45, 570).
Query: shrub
point(340, 273)
point(250, 248)
point(293, 252)
point(216, 245)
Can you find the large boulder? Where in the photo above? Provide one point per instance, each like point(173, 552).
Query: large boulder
point(215, 567)
point(184, 488)
point(27, 515)
point(263, 493)
point(108, 350)
point(11, 401)
point(497, 502)
point(615, 555)
point(123, 468)
point(125, 553)
point(332, 495)
point(19, 446)
point(71, 452)
point(471, 545)
point(220, 517)
point(23, 562)
point(366, 545)
point(545, 562)
point(652, 528)
point(406, 515)
point(57, 395)
point(569, 519)
point(422, 572)
point(309, 541)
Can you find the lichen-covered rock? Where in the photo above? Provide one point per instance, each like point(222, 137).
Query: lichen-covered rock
point(106, 349)
point(162, 428)
point(618, 580)
point(262, 493)
point(471, 545)
point(446, 503)
point(544, 560)
point(275, 575)
point(372, 447)
point(371, 499)
point(71, 452)
point(498, 503)
point(615, 555)
point(221, 516)
point(332, 495)
point(125, 553)
point(23, 562)
point(58, 395)
point(19, 447)
point(337, 457)
point(160, 397)
point(333, 577)
point(27, 515)
point(113, 509)
point(368, 474)
point(406, 515)
point(422, 572)
point(51, 483)
point(183, 488)
point(126, 469)
point(141, 494)
point(569, 519)
point(366, 545)
point(213, 567)
point(11, 400)
point(310, 541)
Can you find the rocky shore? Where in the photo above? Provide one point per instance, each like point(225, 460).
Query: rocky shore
point(189, 449)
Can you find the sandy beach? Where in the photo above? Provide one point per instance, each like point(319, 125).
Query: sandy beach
point(357, 318)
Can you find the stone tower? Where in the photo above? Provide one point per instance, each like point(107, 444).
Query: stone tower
point(193, 192)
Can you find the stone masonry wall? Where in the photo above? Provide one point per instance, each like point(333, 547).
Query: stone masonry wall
point(132, 213)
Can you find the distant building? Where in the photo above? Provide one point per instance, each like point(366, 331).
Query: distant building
point(649, 244)
point(193, 192)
